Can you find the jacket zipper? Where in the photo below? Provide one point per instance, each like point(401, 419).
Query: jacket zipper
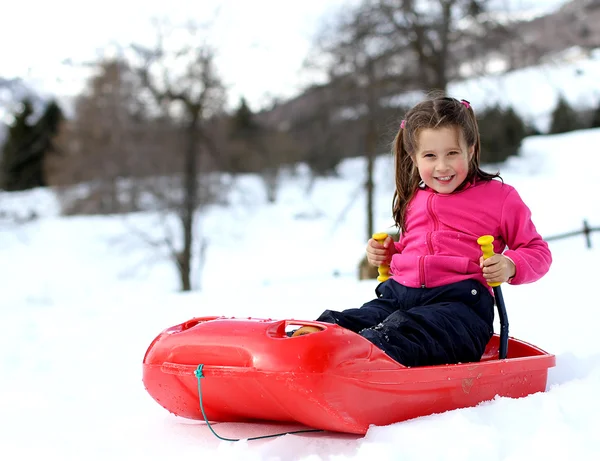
point(422, 271)
point(436, 223)
point(429, 240)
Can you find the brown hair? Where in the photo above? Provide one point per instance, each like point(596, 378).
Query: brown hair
point(437, 112)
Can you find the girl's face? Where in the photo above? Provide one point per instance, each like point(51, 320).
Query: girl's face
point(442, 158)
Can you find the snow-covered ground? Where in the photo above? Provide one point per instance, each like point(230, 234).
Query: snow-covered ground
point(83, 297)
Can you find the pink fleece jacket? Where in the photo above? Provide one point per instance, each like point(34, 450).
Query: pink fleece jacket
point(440, 246)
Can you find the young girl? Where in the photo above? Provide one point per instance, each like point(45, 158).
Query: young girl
point(437, 307)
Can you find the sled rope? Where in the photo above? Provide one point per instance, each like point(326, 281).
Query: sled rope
point(199, 375)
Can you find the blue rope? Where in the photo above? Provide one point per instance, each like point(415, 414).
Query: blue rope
point(199, 375)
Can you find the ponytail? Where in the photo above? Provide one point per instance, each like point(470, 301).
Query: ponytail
point(407, 180)
point(471, 132)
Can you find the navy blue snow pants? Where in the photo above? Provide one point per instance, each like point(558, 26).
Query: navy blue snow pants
point(424, 326)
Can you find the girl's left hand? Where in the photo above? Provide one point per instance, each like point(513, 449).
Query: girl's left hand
point(497, 268)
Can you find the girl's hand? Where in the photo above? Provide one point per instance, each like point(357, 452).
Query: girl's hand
point(379, 254)
point(497, 268)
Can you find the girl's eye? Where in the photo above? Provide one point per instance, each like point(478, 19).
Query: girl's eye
point(452, 152)
point(428, 155)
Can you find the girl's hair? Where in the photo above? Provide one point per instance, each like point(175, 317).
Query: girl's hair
point(438, 112)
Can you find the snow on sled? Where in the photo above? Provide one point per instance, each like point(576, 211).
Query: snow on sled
point(334, 379)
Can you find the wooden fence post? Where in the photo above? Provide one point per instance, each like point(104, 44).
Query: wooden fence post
point(586, 232)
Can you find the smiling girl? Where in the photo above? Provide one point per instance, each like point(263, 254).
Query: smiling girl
point(437, 307)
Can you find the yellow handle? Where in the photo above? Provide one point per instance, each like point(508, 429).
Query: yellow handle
point(384, 269)
point(487, 247)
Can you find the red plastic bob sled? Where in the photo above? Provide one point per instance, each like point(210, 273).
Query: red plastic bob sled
point(333, 379)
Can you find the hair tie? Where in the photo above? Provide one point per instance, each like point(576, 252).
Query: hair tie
point(465, 103)
point(402, 124)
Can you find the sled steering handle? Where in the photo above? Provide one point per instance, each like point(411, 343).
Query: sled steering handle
point(384, 269)
point(487, 247)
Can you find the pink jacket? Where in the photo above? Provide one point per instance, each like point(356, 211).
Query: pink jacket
point(440, 246)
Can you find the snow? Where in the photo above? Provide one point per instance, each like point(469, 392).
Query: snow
point(532, 92)
point(83, 297)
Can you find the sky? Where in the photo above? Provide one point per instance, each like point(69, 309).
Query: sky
point(83, 297)
point(261, 44)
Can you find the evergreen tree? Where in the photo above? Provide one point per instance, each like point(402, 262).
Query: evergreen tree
point(26, 147)
point(502, 132)
point(515, 130)
point(256, 148)
point(244, 149)
point(564, 118)
point(596, 117)
point(243, 122)
point(17, 137)
point(42, 144)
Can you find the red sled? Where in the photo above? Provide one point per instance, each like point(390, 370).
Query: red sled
point(333, 379)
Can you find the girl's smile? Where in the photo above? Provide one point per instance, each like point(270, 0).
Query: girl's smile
point(442, 158)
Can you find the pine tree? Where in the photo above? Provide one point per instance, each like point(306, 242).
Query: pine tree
point(244, 133)
point(27, 146)
point(243, 122)
point(515, 131)
point(31, 162)
point(18, 136)
point(596, 118)
point(564, 118)
point(502, 132)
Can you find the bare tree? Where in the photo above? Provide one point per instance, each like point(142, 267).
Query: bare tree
point(358, 59)
point(382, 48)
point(100, 145)
point(184, 86)
point(435, 34)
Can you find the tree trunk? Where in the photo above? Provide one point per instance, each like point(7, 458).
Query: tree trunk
point(190, 200)
point(370, 185)
point(370, 149)
point(441, 63)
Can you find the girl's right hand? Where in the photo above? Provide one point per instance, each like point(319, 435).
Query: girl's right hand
point(379, 254)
